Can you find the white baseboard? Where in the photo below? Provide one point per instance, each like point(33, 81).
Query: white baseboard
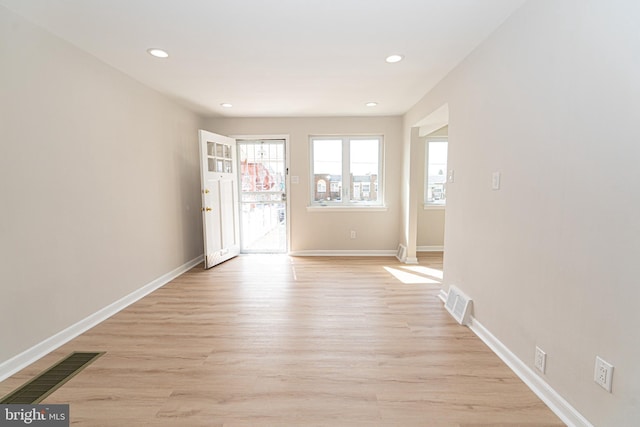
point(430, 248)
point(567, 413)
point(382, 252)
point(27, 357)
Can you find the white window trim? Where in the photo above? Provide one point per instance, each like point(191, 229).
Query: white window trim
point(346, 205)
point(426, 205)
point(432, 207)
point(337, 208)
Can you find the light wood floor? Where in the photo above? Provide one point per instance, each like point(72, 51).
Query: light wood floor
point(283, 341)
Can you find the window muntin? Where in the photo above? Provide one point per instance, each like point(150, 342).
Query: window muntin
point(436, 172)
point(350, 166)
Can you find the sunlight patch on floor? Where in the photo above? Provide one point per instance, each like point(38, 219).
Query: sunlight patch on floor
point(426, 271)
point(409, 277)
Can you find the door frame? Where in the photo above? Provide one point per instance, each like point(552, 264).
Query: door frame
point(287, 165)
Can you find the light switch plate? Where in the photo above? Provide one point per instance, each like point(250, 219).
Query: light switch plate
point(450, 176)
point(495, 181)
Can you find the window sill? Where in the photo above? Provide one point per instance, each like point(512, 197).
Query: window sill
point(433, 207)
point(315, 208)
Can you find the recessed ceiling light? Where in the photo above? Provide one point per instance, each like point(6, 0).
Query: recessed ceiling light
point(226, 105)
point(394, 58)
point(158, 53)
point(371, 104)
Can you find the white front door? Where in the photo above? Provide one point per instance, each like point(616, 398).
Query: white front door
point(219, 198)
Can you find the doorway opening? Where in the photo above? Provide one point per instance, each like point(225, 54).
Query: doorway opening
point(430, 146)
point(263, 195)
point(436, 175)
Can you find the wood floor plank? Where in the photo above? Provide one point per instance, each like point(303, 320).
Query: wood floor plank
point(293, 341)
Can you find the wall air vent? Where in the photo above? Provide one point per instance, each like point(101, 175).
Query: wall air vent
point(458, 305)
point(402, 252)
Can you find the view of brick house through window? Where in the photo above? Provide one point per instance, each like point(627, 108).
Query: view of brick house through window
point(346, 171)
point(363, 188)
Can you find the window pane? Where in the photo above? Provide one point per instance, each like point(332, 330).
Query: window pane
point(363, 155)
point(327, 170)
point(437, 173)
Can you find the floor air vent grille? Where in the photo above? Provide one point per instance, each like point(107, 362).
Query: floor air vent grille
point(459, 305)
point(50, 380)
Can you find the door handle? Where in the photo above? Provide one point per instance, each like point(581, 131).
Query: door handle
point(206, 209)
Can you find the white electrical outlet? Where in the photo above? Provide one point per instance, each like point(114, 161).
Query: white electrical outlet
point(603, 374)
point(540, 360)
point(353, 234)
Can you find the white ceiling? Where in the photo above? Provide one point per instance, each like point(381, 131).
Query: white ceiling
point(278, 57)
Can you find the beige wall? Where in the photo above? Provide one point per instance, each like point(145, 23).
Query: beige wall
point(430, 229)
point(321, 231)
point(551, 101)
point(99, 184)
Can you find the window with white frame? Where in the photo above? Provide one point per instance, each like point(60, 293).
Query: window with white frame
point(349, 167)
point(436, 172)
